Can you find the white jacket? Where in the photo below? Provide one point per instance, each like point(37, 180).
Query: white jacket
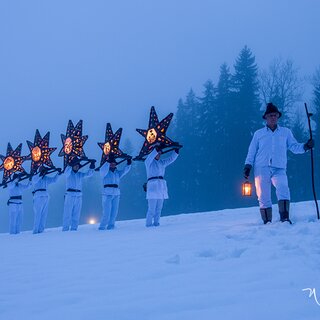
point(42, 182)
point(74, 180)
point(157, 188)
point(269, 148)
point(114, 177)
point(16, 188)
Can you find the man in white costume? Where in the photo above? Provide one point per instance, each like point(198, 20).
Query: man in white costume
point(73, 195)
point(268, 155)
point(111, 191)
point(40, 193)
point(16, 189)
point(157, 190)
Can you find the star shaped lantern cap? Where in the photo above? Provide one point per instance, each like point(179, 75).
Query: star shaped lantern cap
point(110, 147)
point(40, 152)
point(12, 162)
point(156, 133)
point(72, 143)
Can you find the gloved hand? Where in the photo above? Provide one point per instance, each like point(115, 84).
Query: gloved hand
point(246, 170)
point(177, 150)
point(308, 145)
point(157, 146)
point(92, 164)
point(59, 171)
point(129, 161)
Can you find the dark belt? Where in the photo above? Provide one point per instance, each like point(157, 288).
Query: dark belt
point(154, 178)
point(14, 198)
point(33, 192)
point(73, 190)
point(111, 186)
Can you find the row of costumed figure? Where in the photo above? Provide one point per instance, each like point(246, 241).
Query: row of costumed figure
point(43, 173)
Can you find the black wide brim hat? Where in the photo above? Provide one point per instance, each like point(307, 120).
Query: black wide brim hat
point(271, 108)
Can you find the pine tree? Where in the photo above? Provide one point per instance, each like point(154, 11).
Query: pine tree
point(246, 89)
point(222, 142)
point(185, 174)
point(244, 118)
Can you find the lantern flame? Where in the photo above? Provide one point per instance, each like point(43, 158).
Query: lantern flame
point(8, 163)
point(106, 148)
point(36, 154)
point(247, 189)
point(68, 146)
point(152, 135)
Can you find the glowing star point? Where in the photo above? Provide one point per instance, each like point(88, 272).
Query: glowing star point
point(68, 146)
point(106, 148)
point(36, 154)
point(110, 146)
point(72, 143)
point(8, 163)
point(156, 133)
point(40, 152)
point(152, 135)
point(12, 162)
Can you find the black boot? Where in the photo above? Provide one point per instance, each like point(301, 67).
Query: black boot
point(284, 206)
point(266, 215)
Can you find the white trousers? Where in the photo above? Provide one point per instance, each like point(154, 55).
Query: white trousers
point(110, 207)
point(15, 217)
point(264, 178)
point(71, 212)
point(154, 211)
point(40, 209)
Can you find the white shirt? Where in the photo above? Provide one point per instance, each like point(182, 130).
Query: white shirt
point(269, 148)
point(74, 180)
point(42, 182)
point(16, 188)
point(157, 188)
point(114, 177)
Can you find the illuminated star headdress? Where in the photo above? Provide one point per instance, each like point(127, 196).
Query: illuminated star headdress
point(72, 143)
point(156, 133)
point(40, 152)
point(12, 162)
point(110, 148)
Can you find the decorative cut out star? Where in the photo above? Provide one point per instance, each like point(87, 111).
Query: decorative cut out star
point(72, 143)
point(40, 152)
point(12, 162)
point(156, 133)
point(110, 148)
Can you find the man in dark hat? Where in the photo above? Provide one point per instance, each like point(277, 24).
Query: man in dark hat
point(268, 155)
point(73, 196)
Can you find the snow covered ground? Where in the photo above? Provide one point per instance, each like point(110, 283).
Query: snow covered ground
point(215, 265)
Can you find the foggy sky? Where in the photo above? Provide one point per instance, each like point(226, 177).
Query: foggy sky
point(104, 61)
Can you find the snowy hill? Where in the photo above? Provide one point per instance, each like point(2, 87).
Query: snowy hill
point(215, 265)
